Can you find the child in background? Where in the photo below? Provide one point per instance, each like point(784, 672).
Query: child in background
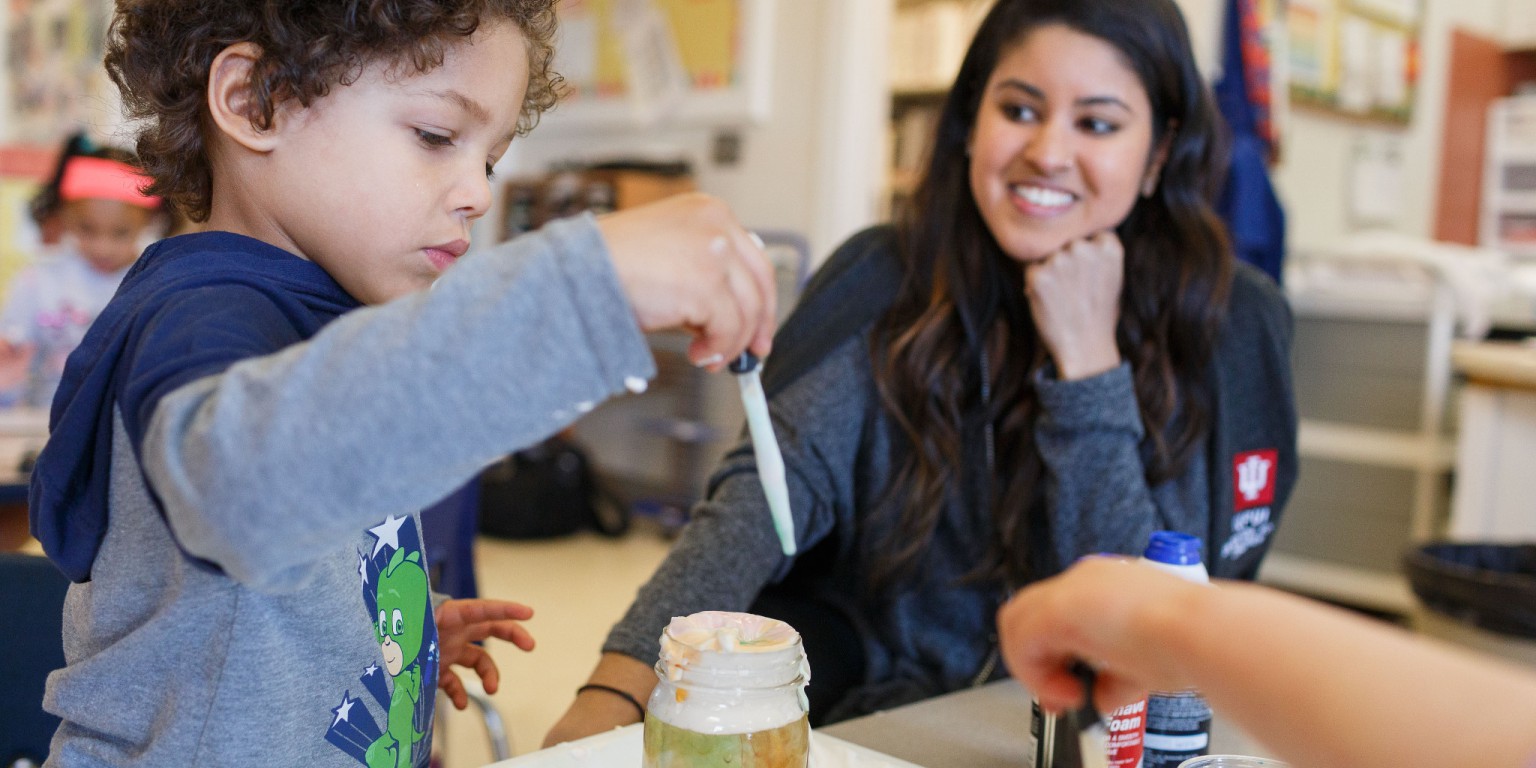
point(239, 446)
point(103, 220)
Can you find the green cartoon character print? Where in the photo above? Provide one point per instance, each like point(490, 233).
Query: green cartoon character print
point(403, 602)
point(389, 722)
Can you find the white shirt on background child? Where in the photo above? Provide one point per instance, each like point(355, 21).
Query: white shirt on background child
point(49, 305)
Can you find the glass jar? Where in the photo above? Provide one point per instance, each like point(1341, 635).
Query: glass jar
point(731, 692)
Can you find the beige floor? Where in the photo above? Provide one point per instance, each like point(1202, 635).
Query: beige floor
point(578, 587)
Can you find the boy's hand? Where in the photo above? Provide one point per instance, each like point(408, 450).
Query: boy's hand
point(461, 624)
point(1074, 296)
point(686, 263)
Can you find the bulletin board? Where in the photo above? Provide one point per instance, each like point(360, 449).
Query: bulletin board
point(1357, 58)
point(54, 77)
point(641, 62)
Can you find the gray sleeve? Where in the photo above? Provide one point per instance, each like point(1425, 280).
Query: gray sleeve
point(264, 467)
point(729, 551)
point(1089, 434)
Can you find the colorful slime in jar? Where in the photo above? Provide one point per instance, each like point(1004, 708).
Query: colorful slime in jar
point(731, 693)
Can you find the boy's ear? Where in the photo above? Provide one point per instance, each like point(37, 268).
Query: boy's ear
point(231, 102)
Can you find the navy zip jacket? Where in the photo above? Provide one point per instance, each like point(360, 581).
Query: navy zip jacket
point(234, 474)
point(152, 338)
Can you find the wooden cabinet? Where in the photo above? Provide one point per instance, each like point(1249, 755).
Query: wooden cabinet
point(1480, 71)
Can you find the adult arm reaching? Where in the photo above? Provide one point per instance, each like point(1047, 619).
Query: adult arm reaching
point(1321, 687)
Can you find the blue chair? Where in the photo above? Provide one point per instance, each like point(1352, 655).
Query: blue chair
point(448, 535)
point(31, 632)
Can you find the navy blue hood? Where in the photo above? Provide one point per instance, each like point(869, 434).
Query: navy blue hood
point(161, 331)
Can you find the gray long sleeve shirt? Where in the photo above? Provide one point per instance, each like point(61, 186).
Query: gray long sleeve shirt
point(261, 572)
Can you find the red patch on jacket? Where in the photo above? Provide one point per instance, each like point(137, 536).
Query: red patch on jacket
point(1253, 478)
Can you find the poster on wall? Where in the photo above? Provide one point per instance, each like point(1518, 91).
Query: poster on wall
point(1401, 12)
point(1357, 58)
point(647, 61)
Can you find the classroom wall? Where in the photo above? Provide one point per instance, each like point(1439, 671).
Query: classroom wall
point(814, 166)
point(1314, 176)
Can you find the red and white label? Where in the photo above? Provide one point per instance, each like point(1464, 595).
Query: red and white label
point(1253, 478)
point(1127, 728)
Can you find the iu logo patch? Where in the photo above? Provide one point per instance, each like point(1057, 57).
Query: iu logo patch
point(1253, 478)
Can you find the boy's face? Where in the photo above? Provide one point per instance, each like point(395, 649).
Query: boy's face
point(379, 181)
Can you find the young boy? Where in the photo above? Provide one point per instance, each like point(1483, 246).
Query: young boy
point(236, 454)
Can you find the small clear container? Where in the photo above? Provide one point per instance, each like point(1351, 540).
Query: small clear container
point(1232, 761)
point(731, 692)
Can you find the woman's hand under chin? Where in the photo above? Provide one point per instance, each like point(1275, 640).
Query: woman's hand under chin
point(1074, 296)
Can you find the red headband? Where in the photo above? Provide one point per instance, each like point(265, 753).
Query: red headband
point(97, 178)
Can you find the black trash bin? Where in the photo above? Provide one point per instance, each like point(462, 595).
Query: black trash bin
point(1478, 593)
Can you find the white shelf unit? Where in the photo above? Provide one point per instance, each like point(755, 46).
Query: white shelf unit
point(1507, 220)
point(1373, 381)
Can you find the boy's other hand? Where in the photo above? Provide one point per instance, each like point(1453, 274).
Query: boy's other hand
point(461, 624)
point(686, 263)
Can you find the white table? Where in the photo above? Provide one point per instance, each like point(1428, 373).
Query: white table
point(984, 727)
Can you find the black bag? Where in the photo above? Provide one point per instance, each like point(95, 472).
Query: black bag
point(546, 491)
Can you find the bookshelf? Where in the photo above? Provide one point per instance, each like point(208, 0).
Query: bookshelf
point(928, 41)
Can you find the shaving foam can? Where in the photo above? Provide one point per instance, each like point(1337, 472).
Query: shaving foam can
point(1127, 728)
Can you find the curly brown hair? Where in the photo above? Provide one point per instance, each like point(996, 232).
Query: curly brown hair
point(159, 53)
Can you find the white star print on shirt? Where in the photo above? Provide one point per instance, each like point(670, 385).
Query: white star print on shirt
point(344, 710)
point(387, 532)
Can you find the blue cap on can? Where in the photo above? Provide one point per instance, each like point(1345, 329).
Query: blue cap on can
point(1173, 548)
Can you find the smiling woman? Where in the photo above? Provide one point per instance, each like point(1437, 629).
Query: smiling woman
point(1059, 152)
point(1051, 353)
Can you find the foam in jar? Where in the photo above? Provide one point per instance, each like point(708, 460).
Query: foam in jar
point(731, 690)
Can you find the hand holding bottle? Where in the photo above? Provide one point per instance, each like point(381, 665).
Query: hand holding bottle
point(1271, 663)
point(1103, 610)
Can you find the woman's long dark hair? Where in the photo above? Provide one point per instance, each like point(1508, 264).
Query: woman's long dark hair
point(963, 295)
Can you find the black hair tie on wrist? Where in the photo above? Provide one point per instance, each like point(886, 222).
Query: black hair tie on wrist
point(623, 694)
